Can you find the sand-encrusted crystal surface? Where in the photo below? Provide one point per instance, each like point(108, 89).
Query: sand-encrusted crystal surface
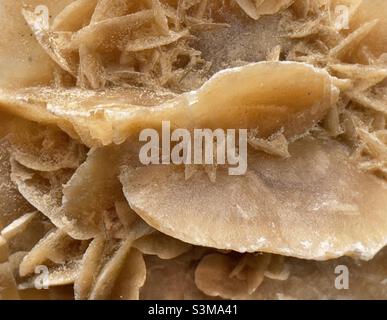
point(79, 81)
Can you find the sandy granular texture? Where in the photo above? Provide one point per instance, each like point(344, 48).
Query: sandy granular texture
point(79, 81)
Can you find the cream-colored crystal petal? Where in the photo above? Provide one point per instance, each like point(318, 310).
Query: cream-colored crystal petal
point(317, 188)
point(23, 62)
point(243, 97)
point(163, 246)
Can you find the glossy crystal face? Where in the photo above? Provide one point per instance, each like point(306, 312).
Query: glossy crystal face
point(83, 217)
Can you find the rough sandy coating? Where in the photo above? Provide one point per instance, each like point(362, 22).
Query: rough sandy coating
point(81, 80)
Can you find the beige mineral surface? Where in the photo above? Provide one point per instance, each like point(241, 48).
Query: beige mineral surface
point(81, 79)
